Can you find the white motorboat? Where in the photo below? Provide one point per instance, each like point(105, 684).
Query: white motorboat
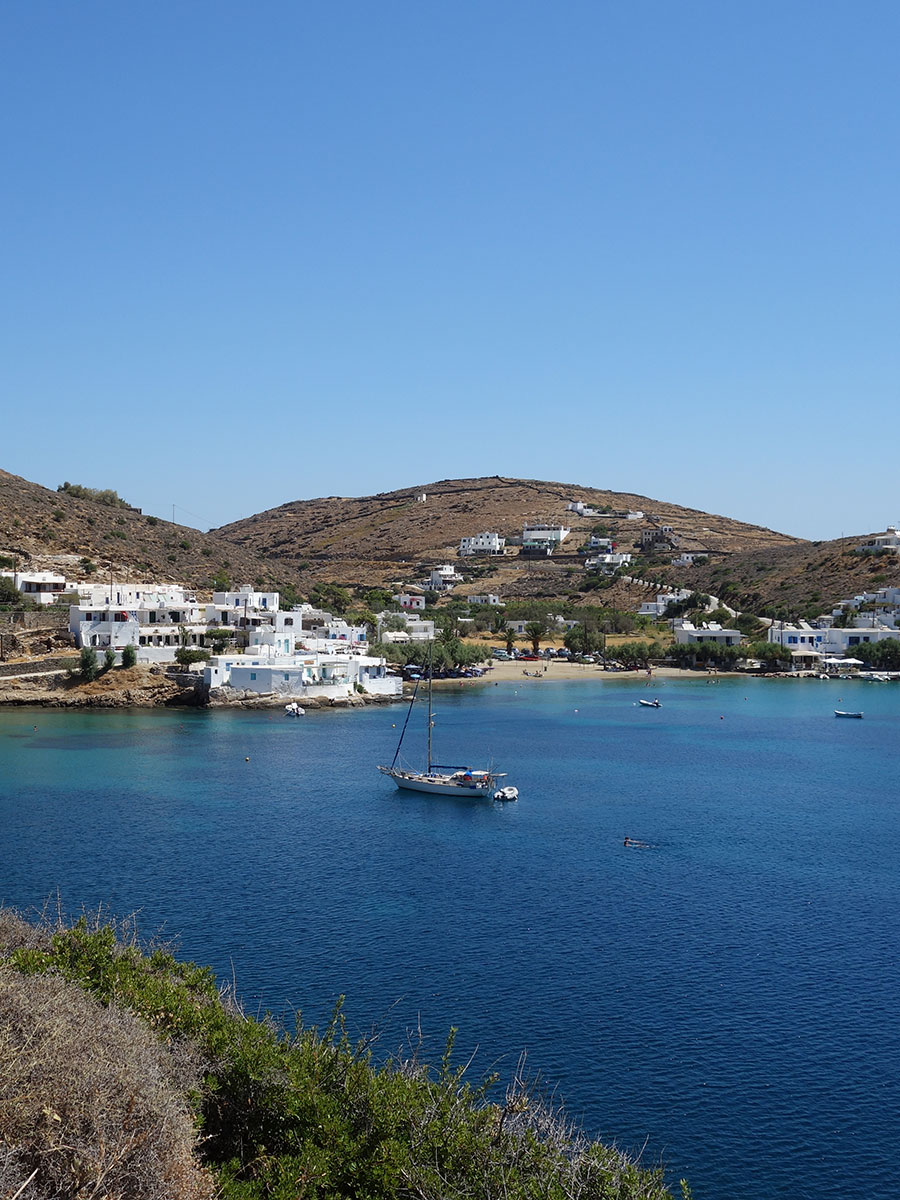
point(294, 710)
point(437, 778)
point(650, 703)
point(856, 715)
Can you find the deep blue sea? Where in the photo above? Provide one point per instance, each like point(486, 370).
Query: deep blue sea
point(727, 999)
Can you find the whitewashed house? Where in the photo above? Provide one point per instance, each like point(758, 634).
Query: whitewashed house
point(302, 675)
point(582, 509)
point(155, 621)
point(411, 601)
point(443, 577)
point(482, 543)
point(415, 628)
point(889, 540)
point(41, 587)
point(657, 608)
point(607, 563)
point(543, 539)
point(488, 598)
point(686, 633)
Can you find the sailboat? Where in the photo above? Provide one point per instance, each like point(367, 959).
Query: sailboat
point(439, 778)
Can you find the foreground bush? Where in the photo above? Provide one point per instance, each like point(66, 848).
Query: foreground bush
point(282, 1115)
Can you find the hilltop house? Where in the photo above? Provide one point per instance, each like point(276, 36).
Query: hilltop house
point(543, 539)
point(607, 563)
point(443, 578)
point(890, 540)
point(581, 509)
point(482, 543)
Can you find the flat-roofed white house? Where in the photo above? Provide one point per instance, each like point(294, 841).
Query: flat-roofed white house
point(443, 577)
point(582, 509)
point(411, 601)
point(303, 675)
point(797, 636)
point(686, 633)
point(850, 641)
point(543, 539)
point(414, 628)
point(889, 540)
point(657, 607)
point(41, 587)
point(155, 622)
point(482, 543)
point(607, 563)
point(487, 598)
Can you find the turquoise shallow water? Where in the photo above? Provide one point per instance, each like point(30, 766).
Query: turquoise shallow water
point(728, 997)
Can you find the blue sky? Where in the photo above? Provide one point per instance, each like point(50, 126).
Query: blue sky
point(257, 253)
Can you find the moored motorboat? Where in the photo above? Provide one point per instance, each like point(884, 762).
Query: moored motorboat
point(650, 703)
point(856, 715)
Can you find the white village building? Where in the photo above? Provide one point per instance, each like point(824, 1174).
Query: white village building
point(890, 540)
point(41, 587)
point(303, 675)
point(482, 543)
point(543, 539)
point(686, 633)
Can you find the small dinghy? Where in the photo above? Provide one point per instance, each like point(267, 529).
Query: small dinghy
point(294, 710)
point(650, 703)
point(506, 793)
point(856, 715)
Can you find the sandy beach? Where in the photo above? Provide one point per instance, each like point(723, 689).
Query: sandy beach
point(512, 672)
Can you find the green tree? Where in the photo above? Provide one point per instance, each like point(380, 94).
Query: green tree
point(185, 656)
point(536, 631)
point(221, 581)
point(9, 593)
point(331, 596)
point(109, 659)
point(581, 639)
point(129, 656)
point(510, 638)
point(88, 667)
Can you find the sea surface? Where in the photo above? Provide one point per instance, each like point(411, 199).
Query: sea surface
point(726, 1000)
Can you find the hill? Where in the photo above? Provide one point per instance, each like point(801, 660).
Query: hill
point(791, 581)
point(55, 530)
point(393, 536)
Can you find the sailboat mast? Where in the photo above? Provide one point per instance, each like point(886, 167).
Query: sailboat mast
point(430, 719)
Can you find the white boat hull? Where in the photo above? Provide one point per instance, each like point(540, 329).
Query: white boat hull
point(442, 785)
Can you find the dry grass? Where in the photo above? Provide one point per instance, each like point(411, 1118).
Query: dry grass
point(91, 1105)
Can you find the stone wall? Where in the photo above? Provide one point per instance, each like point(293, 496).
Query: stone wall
point(39, 666)
point(50, 617)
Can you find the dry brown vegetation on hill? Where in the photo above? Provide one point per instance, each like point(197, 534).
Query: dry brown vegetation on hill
point(392, 537)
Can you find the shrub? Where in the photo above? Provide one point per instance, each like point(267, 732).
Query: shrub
point(185, 656)
point(129, 656)
point(100, 496)
point(88, 667)
point(60, 1051)
point(109, 659)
